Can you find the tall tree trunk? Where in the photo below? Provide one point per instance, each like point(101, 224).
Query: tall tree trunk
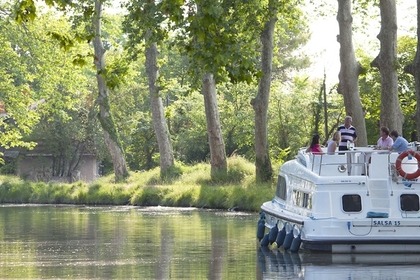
point(414, 69)
point(110, 132)
point(263, 166)
point(214, 130)
point(386, 61)
point(350, 70)
point(159, 120)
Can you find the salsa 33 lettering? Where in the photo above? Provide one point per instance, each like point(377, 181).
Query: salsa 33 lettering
point(379, 223)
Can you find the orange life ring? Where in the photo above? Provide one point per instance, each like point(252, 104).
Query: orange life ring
point(398, 162)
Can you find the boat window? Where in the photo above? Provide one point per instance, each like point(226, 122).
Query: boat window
point(281, 187)
point(409, 202)
point(302, 199)
point(352, 203)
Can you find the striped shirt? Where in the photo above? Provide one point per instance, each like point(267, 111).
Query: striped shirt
point(346, 134)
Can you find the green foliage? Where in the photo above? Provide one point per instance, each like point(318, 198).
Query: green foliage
point(116, 71)
point(17, 76)
point(148, 196)
point(8, 167)
point(237, 118)
point(370, 89)
point(107, 194)
point(50, 103)
point(172, 173)
point(209, 198)
point(291, 34)
point(13, 190)
point(215, 37)
point(147, 20)
point(65, 41)
point(239, 169)
point(26, 10)
point(292, 112)
point(406, 86)
point(188, 127)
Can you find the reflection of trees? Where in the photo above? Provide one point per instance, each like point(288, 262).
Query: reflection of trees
point(218, 250)
point(166, 251)
point(118, 243)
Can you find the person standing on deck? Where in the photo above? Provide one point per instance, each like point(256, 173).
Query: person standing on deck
point(348, 133)
point(400, 143)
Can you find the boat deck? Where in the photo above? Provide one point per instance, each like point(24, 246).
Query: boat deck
point(362, 161)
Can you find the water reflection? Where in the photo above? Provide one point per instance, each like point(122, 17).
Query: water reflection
point(279, 264)
point(64, 242)
point(125, 243)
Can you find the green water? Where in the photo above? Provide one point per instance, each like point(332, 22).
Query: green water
point(64, 242)
point(125, 243)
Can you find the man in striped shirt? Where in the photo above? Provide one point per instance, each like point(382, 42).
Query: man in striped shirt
point(348, 133)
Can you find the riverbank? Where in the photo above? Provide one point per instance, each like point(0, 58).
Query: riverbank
point(192, 187)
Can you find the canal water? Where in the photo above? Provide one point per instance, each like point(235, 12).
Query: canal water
point(65, 242)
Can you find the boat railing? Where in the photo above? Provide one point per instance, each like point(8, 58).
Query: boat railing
point(358, 162)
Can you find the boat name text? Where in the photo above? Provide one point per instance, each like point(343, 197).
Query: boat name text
point(388, 223)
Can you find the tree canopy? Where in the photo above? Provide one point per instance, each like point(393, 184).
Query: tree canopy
point(47, 79)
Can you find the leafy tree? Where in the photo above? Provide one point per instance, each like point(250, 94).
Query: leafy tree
point(413, 68)
point(407, 86)
point(237, 118)
point(56, 91)
point(386, 61)
point(350, 70)
point(289, 15)
point(291, 108)
point(219, 45)
point(188, 127)
point(143, 24)
point(16, 79)
point(260, 102)
point(370, 94)
point(87, 18)
point(111, 134)
point(371, 91)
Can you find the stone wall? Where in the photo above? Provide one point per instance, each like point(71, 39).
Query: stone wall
point(39, 167)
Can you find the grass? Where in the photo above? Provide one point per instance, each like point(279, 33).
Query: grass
point(189, 186)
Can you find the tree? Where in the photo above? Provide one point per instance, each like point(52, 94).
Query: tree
point(350, 70)
point(110, 132)
point(16, 83)
point(386, 62)
point(214, 131)
point(206, 40)
point(54, 108)
point(414, 69)
point(144, 23)
point(263, 168)
point(220, 45)
point(288, 13)
point(88, 15)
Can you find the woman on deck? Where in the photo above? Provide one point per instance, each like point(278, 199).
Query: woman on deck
point(315, 147)
point(333, 143)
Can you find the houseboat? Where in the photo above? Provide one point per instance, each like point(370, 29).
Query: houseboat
point(358, 201)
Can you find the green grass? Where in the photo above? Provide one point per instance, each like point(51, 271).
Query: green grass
point(185, 186)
